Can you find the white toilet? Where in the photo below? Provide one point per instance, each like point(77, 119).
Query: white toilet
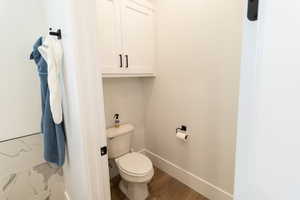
point(135, 168)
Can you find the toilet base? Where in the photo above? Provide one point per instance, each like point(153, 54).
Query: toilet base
point(134, 191)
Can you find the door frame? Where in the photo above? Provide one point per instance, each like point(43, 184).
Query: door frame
point(86, 171)
point(91, 101)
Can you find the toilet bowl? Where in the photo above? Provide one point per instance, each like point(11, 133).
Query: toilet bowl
point(136, 171)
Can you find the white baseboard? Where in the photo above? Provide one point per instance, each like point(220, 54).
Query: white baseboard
point(67, 196)
point(196, 183)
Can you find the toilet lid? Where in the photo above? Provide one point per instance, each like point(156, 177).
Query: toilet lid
point(135, 164)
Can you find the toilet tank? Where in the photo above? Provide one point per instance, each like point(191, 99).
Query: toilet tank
point(119, 140)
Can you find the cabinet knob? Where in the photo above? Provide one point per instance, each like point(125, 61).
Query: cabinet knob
point(127, 61)
point(121, 60)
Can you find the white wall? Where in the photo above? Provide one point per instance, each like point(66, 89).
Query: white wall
point(198, 59)
point(22, 22)
point(271, 141)
point(85, 170)
point(126, 97)
point(58, 13)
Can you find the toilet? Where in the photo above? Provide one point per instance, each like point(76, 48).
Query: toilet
point(136, 169)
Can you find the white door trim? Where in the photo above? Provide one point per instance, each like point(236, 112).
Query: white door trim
point(87, 85)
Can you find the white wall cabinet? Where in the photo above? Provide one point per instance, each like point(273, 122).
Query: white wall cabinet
point(126, 38)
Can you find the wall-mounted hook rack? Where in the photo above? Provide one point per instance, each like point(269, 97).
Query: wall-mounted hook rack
point(57, 33)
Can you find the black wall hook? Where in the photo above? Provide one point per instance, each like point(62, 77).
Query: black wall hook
point(57, 33)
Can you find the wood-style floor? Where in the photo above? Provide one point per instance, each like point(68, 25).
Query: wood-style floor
point(162, 187)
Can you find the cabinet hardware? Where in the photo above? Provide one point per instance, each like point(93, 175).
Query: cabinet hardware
point(121, 61)
point(252, 10)
point(127, 65)
point(103, 151)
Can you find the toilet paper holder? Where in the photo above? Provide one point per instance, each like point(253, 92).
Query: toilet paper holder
point(182, 128)
point(181, 133)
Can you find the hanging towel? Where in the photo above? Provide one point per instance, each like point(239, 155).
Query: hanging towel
point(53, 134)
point(52, 52)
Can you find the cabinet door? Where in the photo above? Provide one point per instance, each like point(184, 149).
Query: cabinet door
point(109, 36)
point(138, 36)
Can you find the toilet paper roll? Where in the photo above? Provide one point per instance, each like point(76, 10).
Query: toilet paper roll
point(182, 136)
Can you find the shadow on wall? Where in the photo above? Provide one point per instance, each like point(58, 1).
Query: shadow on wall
point(197, 85)
point(125, 96)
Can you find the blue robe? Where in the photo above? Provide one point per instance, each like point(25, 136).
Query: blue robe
point(53, 134)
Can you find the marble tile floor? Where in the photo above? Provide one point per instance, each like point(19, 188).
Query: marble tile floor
point(24, 175)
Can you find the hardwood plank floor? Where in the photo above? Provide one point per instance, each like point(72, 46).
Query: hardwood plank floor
point(162, 187)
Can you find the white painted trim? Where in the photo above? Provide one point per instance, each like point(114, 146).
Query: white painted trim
point(67, 197)
point(143, 3)
point(196, 183)
point(143, 151)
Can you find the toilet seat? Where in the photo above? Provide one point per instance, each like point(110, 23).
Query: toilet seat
point(135, 167)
